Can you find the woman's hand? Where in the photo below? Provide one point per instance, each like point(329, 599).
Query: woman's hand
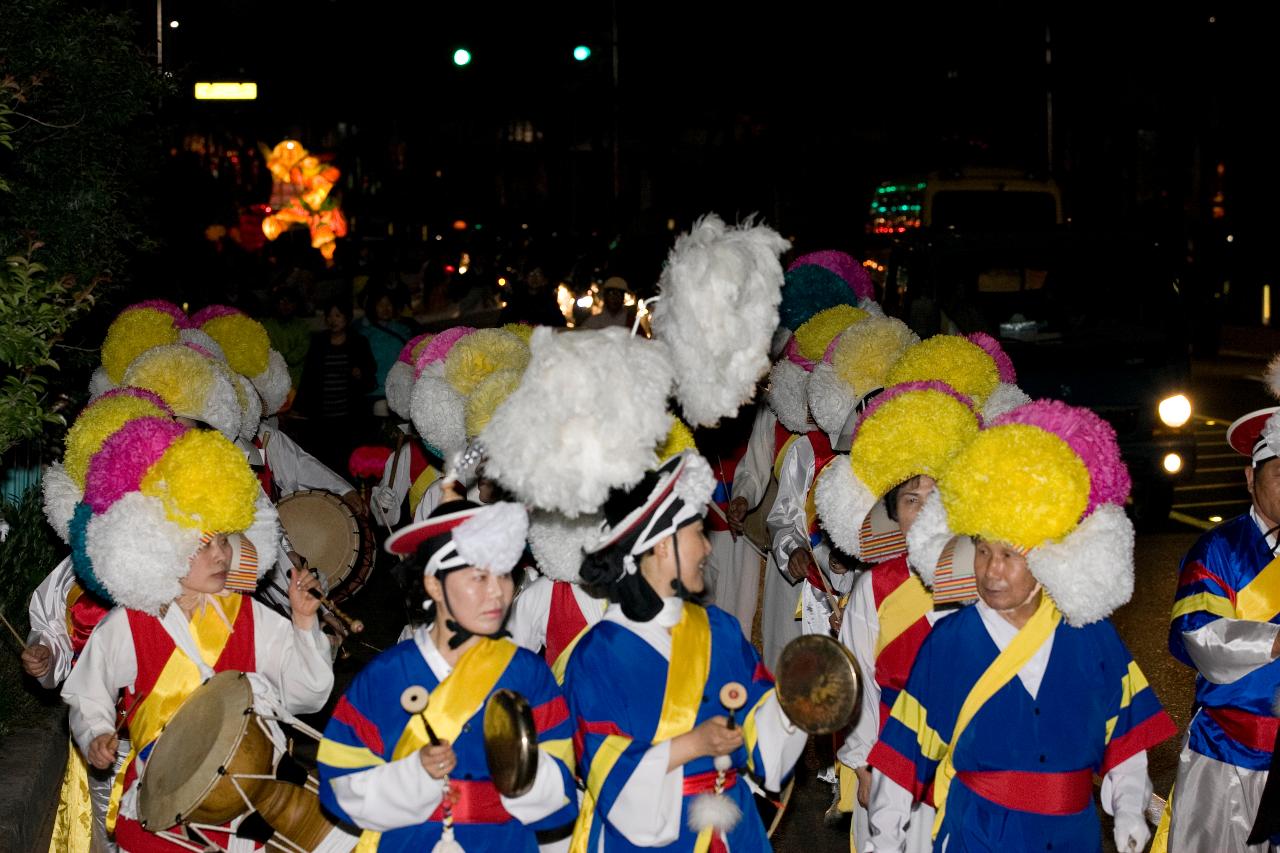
point(102, 751)
point(709, 739)
point(438, 761)
point(302, 604)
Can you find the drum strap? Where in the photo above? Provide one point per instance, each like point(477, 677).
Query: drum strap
point(1000, 672)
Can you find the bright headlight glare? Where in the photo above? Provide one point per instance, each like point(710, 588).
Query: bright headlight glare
point(1175, 411)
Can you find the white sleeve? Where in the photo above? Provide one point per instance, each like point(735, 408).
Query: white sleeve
point(888, 811)
point(647, 809)
point(1126, 789)
point(780, 743)
point(298, 662)
point(529, 614)
point(389, 796)
point(788, 526)
point(430, 500)
point(755, 469)
point(106, 666)
point(294, 469)
point(47, 612)
point(545, 798)
point(859, 632)
point(1227, 650)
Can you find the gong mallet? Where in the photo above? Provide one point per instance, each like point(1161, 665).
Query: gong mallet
point(414, 700)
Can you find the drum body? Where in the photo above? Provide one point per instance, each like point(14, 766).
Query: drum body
point(331, 537)
point(214, 762)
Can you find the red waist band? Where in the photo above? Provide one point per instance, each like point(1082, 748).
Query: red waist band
point(1037, 793)
point(1254, 731)
point(473, 802)
point(705, 783)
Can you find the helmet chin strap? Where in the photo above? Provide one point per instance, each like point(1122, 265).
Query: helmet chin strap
point(1025, 601)
point(677, 584)
point(461, 634)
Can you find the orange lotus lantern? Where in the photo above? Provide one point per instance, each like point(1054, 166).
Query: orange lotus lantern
point(301, 195)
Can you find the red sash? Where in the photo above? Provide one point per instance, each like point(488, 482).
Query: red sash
point(1252, 730)
point(474, 801)
point(823, 455)
point(705, 783)
point(84, 611)
point(1038, 793)
point(564, 620)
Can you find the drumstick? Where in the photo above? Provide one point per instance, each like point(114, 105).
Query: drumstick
point(414, 700)
point(733, 696)
point(14, 632)
point(754, 547)
point(832, 601)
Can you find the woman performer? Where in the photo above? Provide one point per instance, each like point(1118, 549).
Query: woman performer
point(403, 756)
point(160, 499)
point(663, 763)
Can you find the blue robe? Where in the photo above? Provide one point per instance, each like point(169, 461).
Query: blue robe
point(1094, 709)
point(369, 717)
point(1223, 562)
point(615, 683)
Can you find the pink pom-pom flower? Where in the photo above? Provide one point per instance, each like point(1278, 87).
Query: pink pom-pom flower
point(124, 459)
point(368, 461)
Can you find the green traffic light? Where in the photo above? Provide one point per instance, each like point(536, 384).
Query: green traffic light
point(461, 57)
point(582, 53)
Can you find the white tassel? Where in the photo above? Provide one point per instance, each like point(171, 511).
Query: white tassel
point(713, 811)
point(447, 844)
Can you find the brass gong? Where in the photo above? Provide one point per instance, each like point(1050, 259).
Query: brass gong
point(510, 742)
point(817, 684)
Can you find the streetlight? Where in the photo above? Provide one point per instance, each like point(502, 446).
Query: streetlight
point(461, 57)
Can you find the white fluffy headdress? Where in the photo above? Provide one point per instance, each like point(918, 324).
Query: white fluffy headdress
point(720, 292)
point(559, 543)
point(61, 495)
point(587, 417)
point(788, 395)
point(494, 536)
point(439, 412)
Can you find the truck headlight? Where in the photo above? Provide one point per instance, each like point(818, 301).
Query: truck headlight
point(1175, 411)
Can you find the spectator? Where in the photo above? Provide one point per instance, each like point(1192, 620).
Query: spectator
point(290, 334)
point(339, 372)
point(386, 335)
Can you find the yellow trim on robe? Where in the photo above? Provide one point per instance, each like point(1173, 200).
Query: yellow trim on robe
point(601, 766)
point(346, 757)
point(782, 454)
point(901, 609)
point(419, 487)
point(1259, 601)
point(1205, 602)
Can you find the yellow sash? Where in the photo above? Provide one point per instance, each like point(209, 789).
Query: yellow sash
point(782, 454)
point(454, 701)
point(419, 488)
point(686, 682)
point(1003, 669)
point(1259, 601)
point(73, 823)
point(901, 609)
point(211, 628)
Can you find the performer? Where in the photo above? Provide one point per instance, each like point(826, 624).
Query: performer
point(905, 437)
point(154, 533)
point(378, 766)
point(1014, 704)
point(1226, 625)
point(667, 772)
point(736, 585)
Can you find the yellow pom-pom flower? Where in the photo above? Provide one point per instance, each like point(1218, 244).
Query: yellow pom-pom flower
point(96, 424)
point(960, 363)
point(480, 353)
point(917, 432)
point(205, 483)
point(131, 334)
point(816, 334)
point(523, 331)
point(1017, 484)
point(181, 377)
point(865, 354)
point(243, 340)
point(679, 439)
point(488, 396)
